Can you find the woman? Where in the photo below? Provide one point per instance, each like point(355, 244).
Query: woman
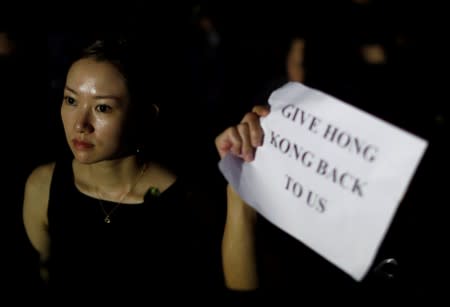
point(110, 222)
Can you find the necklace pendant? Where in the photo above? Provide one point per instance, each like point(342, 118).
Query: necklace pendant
point(107, 220)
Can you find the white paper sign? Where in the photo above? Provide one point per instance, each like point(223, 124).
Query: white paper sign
point(328, 174)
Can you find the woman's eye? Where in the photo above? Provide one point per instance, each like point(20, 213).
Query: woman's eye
point(69, 100)
point(103, 108)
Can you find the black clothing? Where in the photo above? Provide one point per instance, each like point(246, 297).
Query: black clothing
point(167, 244)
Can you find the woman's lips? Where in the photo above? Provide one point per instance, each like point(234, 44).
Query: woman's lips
point(82, 145)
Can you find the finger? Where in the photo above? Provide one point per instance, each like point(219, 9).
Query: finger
point(227, 141)
point(247, 150)
point(255, 129)
point(261, 110)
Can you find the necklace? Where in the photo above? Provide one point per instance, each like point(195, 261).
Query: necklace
point(107, 218)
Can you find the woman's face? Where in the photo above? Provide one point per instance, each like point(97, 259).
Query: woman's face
point(94, 110)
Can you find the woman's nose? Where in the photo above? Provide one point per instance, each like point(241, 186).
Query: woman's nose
point(83, 123)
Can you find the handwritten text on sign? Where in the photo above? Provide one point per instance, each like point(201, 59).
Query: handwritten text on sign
point(328, 174)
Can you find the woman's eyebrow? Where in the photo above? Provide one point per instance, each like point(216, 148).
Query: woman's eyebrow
point(107, 97)
point(70, 90)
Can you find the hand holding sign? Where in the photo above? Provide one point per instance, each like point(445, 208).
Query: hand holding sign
point(238, 254)
point(329, 174)
point(242, 140)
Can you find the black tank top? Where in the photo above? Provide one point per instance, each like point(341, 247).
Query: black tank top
point(165, 243)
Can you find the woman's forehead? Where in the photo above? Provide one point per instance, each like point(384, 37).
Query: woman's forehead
point(93, 77)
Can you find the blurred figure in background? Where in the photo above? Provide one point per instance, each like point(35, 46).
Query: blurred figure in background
point(7, 45)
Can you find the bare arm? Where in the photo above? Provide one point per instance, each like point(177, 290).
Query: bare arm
point(34, 215)
point(238, 246)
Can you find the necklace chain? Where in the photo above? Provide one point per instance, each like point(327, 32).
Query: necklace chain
point(107, 218)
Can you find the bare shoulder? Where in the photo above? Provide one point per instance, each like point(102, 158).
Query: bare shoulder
point(40, 177)
point(37, 187)
point(35, 205)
